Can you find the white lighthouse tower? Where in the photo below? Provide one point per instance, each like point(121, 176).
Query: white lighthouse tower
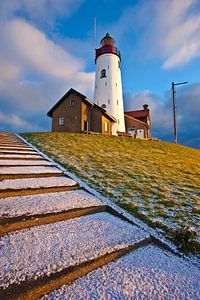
point(108, 84)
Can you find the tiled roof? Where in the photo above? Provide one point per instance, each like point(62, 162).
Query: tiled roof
point(138, 113)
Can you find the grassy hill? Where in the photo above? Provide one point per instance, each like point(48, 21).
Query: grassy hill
point(156, 181)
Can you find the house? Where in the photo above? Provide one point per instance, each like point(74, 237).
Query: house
point(138, 122)
point(74, 112)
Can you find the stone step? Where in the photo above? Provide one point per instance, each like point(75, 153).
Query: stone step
point(54, 249)
point(20, 156)
point(12, 151)
point(28, 211)
point(146, 273)
point(16, 148)
point(12, 143)
point(46, 203)
point(28, 186)
point(28, 172)
point(21, 162)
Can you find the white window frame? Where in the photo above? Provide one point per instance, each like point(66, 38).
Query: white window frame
point(106, 126)
point(71, 102)
point(61, 121)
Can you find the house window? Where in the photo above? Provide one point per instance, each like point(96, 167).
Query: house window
point(72, 102)
point(103, 73)
point(106, 126)
point(61, 121)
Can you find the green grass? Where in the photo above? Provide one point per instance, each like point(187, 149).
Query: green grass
point(156, 181)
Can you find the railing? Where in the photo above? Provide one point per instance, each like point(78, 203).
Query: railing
point(107, 49)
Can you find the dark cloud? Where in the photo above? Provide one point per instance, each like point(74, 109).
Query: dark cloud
point(188, 113)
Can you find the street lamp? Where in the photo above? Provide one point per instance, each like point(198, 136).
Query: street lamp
point(174, 108)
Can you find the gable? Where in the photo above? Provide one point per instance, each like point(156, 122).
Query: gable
point(70, 95)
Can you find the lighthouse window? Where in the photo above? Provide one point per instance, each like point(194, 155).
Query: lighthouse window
point(105, 83)
point(119, 64)
point(103, 73)
point(108, 101)
point(117, 102)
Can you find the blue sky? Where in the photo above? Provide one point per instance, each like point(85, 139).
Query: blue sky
point(47, 47)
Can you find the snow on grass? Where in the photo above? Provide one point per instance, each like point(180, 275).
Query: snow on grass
point(46, 249)
point(45, 182)
point(21, 162)
point(147, 273)
point(29, 170)
point(156, 181)
point(46, 203)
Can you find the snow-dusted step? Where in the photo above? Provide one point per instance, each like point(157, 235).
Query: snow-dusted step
point(21, 162)
point(14, 144)
point(35, 185)
point(46, 203)
point(24, 148)
point(29, 170)
point(19, 156)
point(146, 273)
point(14, 184)
point(10, 151)
point(54, 247)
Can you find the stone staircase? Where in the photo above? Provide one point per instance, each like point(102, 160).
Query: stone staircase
point(59, 241)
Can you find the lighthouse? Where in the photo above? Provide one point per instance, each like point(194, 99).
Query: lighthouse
point(108, 84)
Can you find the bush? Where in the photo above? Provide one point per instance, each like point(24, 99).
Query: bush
point(185, 238)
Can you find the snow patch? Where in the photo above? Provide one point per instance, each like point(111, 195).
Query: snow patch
point(46, 203)
point(147, 273)
point(32, 253)
point(45, 182)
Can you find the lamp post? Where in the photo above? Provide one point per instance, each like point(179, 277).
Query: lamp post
point(174, 108)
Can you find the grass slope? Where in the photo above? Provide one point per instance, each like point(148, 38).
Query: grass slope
point(156, 181)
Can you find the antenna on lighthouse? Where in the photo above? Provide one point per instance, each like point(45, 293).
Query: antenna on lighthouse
point(95, 31)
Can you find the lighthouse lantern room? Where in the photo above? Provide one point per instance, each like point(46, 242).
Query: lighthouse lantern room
point(108, 85)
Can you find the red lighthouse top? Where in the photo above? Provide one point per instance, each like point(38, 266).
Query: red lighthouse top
point(107, 46)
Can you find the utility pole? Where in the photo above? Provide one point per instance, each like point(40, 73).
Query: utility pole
point(174, 108)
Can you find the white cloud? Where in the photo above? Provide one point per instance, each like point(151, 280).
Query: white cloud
point(40, 11)
point(179, 32)
point(34, 50)
point(161, 114)
point(35, 72)
point(165, 29)
point(16, 123)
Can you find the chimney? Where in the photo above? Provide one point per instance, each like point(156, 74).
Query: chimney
point(145, 106)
